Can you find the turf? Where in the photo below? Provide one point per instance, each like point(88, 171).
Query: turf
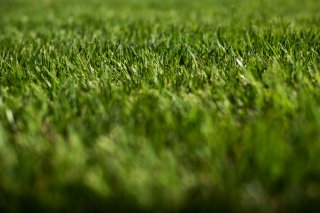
point(159, 105)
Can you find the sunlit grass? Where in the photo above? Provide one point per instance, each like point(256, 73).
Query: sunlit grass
point(159, 106)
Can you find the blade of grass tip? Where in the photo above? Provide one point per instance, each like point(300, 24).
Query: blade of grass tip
point(239, 62)
point(91, 69)
point(10, 116)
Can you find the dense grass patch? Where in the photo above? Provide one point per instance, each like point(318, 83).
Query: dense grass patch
point(159, 106)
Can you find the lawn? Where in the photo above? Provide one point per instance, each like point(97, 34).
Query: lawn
point(159, 106)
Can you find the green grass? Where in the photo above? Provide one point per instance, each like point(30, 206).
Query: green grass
point(160, 105)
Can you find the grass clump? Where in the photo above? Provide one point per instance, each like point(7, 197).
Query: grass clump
point(149, 106)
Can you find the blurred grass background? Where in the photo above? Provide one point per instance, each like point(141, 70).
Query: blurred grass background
point(159, 106)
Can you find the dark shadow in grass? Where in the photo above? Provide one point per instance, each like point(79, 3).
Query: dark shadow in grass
point(201, 199)
point(76, 198)
point(79, 198)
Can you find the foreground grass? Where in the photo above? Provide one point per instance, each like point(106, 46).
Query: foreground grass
point(148, 106)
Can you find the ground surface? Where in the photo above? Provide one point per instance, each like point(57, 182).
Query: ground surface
point(160, 105)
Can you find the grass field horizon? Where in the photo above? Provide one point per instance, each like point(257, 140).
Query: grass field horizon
point(159, 106)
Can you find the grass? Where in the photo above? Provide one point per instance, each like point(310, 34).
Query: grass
point(159, 105)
